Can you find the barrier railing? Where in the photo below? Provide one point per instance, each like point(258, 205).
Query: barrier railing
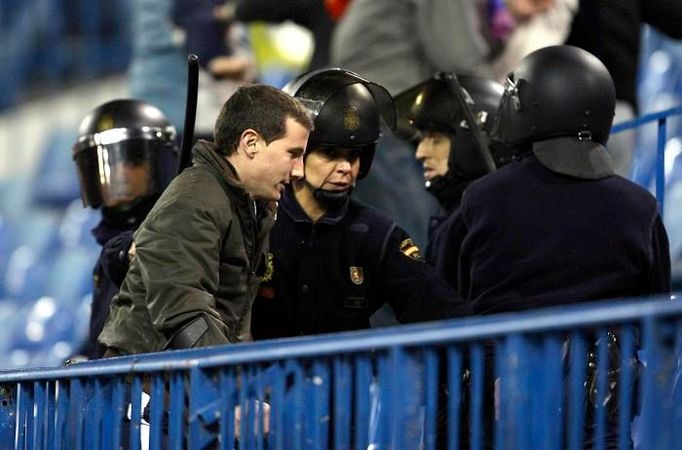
point(549, 379)
point(661, 118)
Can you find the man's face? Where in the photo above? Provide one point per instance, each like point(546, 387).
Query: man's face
point(332, 169)
point(278, 162)
point(434, 151)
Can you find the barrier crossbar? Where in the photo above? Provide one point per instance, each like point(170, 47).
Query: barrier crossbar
point(563, 377)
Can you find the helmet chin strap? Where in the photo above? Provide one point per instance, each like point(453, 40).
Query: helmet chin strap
point(328, 198)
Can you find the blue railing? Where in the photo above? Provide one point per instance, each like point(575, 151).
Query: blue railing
point(661, 118)
point(556, 375)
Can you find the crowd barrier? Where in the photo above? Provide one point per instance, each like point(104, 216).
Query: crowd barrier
point(661, 119)
point(560, 376)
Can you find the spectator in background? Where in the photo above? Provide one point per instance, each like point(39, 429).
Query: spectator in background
point(319, 16)
point(201, 251)
point(224, 52)
point(126, 154)
point(164, 33)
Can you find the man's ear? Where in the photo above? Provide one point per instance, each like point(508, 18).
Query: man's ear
point(248, 142)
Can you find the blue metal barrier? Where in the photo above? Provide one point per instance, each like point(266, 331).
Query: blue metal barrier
point(548, 379)
point(661, 118)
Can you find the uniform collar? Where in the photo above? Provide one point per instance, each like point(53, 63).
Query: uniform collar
point(290, 206)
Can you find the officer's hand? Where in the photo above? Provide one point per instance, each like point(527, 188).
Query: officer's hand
point(131, 251)
point(235, 68)
point(265, 417)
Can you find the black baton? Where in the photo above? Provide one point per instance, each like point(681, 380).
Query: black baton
point(481, 140)
point(190, 112)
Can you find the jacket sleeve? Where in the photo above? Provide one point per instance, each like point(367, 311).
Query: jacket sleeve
point(660, 277)
point(665, 15)
point(413, 288)
point(178, 254)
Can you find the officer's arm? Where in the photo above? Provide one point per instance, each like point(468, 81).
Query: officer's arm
point(115, 257)
point(178, 253)
point(413, 288)
point(660, 281)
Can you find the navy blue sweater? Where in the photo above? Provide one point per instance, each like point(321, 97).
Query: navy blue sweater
point(537, 238)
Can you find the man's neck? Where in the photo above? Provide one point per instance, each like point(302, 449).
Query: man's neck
point(313, 209)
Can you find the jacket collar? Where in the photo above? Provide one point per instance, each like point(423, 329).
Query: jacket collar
point(205, 154)
point(290, 206)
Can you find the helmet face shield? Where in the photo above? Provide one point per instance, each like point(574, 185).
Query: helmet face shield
point(126, 150)
point(116, 174)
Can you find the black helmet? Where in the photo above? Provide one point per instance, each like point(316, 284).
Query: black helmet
point(347, 110)
point(433, 106)
point(561, 99)
point(557, 91)
point(116, 137)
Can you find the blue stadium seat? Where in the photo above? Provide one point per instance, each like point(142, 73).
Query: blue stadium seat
point(44, 333)
point(70, 277)
point(55, 182)
point(28, 261)
point(77, 224)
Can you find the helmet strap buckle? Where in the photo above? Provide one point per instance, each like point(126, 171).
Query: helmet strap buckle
point(584, 135)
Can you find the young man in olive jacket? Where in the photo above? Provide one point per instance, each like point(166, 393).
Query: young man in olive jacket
point(201, 251)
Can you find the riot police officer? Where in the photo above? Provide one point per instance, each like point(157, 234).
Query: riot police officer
point(433, 116)
point(333, 261)
point(559, 226)
point(126, 154)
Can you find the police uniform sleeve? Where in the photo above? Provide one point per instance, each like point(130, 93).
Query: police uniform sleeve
point(413, 288)
point(178, 255)
point(660, 277)
point(114, 257)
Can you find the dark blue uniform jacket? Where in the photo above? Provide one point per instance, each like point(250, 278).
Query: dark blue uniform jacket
point(537, 238)
point(115, 234)
point(332, 275)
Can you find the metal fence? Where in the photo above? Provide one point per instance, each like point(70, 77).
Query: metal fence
point(549, 379)
point(661, 118)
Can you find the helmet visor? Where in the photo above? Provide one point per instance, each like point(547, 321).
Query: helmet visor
point(118, 173)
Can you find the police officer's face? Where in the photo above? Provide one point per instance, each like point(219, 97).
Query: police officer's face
point(334, 169)
point(278, 162)
point(434, 151)
point(127, 182)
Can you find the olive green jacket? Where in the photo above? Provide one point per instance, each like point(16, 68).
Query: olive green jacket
point(199, 253)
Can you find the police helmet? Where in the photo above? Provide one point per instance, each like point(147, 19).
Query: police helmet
point(432, 106)
point(347, 111)
point(560, 101)
point(126, 150)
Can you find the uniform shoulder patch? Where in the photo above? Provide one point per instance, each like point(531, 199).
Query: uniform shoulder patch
point(410, 249)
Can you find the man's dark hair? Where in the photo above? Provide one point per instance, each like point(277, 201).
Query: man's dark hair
point(260, 107)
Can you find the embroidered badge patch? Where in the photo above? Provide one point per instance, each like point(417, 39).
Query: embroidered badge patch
point(357, 276)
point(351, 119)
point(410, 249)
point(269, 268)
